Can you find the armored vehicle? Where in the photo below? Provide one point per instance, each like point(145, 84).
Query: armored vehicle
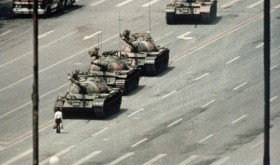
point(116, 72)
point(139, 49)
point(206, 9)
point(88, 97)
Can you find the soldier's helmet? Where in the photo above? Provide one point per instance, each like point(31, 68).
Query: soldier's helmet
point(94, 52)
point(125, 33)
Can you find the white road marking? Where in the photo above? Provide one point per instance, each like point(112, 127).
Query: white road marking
point(273, 67)
point(209, 136)
point(150, 162)
point(123, 3)
point(96, 3)
point(13, 37)
point(57, 155)
point(259, 161)
point(150, 3)
point(260, 45)
point(91, 36)
point(121, 158)
point(175, 122)
point(169, 94)
point(136, 112)
point(45, 34)
point(87, 157)
point(276, 7)
point(259, 143)
point(227, 5)
point(17, 157)
point(65, 59)
point(220, 161)
point(205, 105)
point(255, 4)
point(7, 32)
point(202, 76)
point(183, 36)
point(236, 58)
point(44, 46)
point(273, 98)
point(158, 38)
point(239, 86)
point(240, 118)
point(139, 142)
point(99, 131)
point(167, 34)
point(189, 159)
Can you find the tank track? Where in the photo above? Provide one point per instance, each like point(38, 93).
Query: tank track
point(161, 63)
point(129, 84)
point(111, 106)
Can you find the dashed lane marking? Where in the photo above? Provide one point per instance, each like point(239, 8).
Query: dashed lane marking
point(273, 98)
point(239, 86)
point(189, 159)
point(16, 158)
point(276, 7)
point(150, 3)
point(220, 161)
point(236, 58)
point(260, 45)
point(150, 162)
point(121, 158)
point(169, 94)
point(87, 157)
point(206, 74)
point(208, 137)
point(227, 5)
point(205, 105)
point(97, 3)
point(175, 122)
point(141, 141)
point(91, 36)
point(255, 4)
point(273, 67)
point(16, 36)
point(57, 154)
point(123, 3)
point(259, 143)
point(100, 131)
point(136, 112)
point(7, 32)
point(240, 118)
point(45, 34)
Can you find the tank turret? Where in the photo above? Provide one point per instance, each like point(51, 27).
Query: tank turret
point(140, 47)
point(116, 71)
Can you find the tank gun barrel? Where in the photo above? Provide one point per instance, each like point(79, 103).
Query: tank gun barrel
point(72, 80)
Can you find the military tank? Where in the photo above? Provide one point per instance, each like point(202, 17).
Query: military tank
point(88, 97)
point(116, 72)
point(140, 50)
point(206, 9)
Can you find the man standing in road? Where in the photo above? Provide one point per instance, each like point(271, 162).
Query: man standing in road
point(58, 120)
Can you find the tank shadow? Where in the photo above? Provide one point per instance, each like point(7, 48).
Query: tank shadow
point(86, 116)
point(195, 21)
point(168, 69)
point(140, 87)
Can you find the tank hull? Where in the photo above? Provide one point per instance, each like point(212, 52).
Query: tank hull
point(126, 80)
point(99, 106)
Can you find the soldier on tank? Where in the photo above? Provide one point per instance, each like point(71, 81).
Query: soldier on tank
point(94, 53)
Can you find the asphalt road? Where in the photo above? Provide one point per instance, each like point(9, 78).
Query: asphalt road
point(207, 108)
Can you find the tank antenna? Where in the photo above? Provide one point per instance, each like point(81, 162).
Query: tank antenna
point(149, 16)
point(119, 29)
